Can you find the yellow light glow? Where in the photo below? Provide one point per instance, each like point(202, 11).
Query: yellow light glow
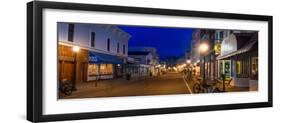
point(204, 47)
point(76, 48)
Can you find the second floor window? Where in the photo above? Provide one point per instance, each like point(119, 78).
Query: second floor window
point(118, 47)
point(70, 32)
point(124, 49)
point(93, 36)
point(108, 44)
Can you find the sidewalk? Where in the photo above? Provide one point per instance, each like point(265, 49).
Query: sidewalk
point(100, 86)
point(228, 88)
point(104, 88)
point(166, 84)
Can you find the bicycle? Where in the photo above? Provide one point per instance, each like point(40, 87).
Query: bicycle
point(202, 87)
point(65, 87)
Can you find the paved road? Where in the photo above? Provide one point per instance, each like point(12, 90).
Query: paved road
point(170, 83)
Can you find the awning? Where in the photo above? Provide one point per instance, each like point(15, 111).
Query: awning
point(244, 49)
point(95, 57)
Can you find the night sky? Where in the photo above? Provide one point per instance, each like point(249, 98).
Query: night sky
point(168, 41)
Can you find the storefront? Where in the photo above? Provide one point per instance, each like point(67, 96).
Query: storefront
point(104, 66)
point(137, 70)
point(72, 65)
point(242, 62)
point(225, 68)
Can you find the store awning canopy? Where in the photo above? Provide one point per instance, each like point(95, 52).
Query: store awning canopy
point(244, 49)
point(97, 58)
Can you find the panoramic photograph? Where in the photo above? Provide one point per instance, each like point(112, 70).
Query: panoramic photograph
point(106, 60)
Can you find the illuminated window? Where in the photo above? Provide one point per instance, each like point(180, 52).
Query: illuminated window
point(242, 68)
point(106, 69)
point(238, 67)
point(93, 69)
point(254, 70)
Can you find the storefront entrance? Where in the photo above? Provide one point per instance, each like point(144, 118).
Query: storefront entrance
point(104, 66)
point(225, 68)
point(66, 71)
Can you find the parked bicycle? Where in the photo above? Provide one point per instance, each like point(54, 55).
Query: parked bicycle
point(65, 87)
point(203, 87)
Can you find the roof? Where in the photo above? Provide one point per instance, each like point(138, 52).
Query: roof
point(248, 46)
point(138, 53)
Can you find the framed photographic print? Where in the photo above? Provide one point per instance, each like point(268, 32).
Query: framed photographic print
point(89, 61)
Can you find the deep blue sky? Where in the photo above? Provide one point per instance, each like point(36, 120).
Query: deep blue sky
point(167, 41)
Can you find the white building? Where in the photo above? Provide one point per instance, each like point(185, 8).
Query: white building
point(147, 58)
point(240, 51)
point(107, 47)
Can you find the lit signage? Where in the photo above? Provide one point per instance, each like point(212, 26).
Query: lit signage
point(218, 48)
point(93, 59)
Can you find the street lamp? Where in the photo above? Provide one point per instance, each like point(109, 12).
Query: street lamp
point(203, 48)
point(75, 49)
point(188, 61)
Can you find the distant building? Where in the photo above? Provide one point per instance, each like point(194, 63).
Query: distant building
point(102, 55)
point(170, 62)
point(195, 42)
point(145, 61)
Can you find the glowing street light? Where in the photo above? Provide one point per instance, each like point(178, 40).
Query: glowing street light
point(188, 61)
point(76, 49)
point(203, 48)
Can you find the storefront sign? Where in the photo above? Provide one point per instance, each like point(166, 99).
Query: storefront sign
point(218, 48)
point(93, 59)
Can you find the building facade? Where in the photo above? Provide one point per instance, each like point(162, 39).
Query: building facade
point(103, 50)
point(231, 53)
point(146, 61)
point(240, 49)
point(208, 59)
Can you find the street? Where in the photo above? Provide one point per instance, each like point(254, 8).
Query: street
point(170, 83)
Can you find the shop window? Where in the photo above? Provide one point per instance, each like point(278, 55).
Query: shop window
point(93, 70)
point(254, 70)
point(238, 67)
point(242, 68)
point(106, 69)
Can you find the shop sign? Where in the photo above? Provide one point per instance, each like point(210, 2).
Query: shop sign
point(218, 48)
point(93, 58)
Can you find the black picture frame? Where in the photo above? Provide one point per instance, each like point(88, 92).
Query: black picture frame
point(34, 60)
